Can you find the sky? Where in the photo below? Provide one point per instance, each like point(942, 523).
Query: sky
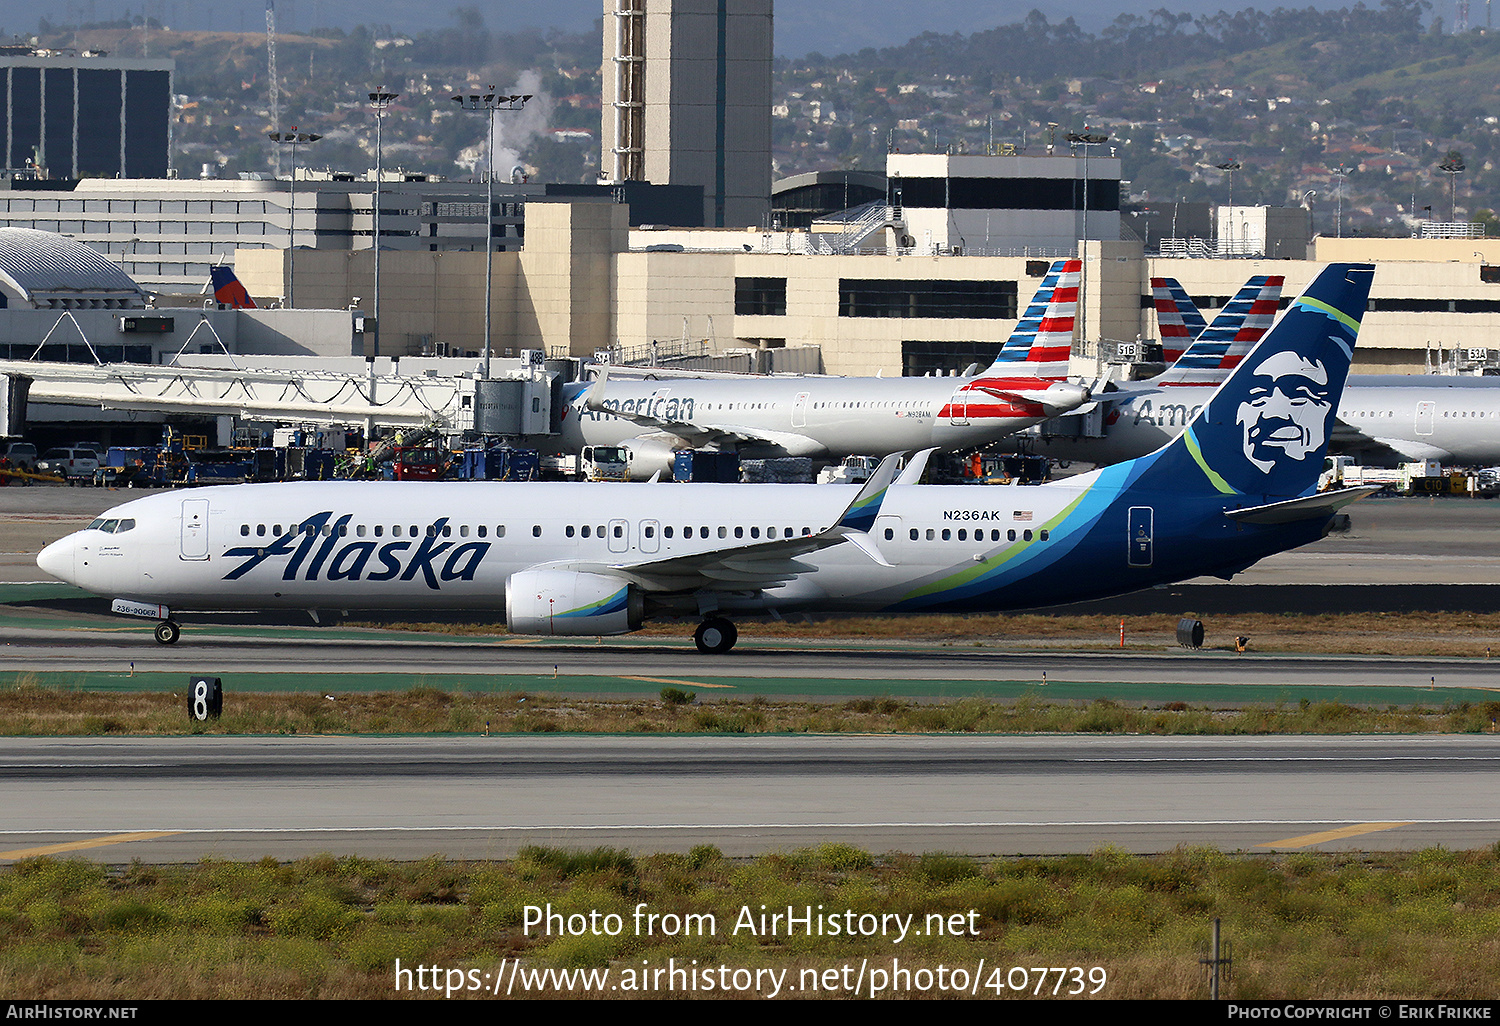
point(828, 26)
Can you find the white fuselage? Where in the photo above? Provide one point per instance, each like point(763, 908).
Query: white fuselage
point(826, 418)
point(1384, 418)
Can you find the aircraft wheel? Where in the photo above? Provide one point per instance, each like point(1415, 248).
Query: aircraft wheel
point(715, 635)
point(167, 632)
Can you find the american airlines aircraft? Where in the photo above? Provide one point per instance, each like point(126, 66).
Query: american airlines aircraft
point(1382, 418)
point(572, 559)
point(828, 418)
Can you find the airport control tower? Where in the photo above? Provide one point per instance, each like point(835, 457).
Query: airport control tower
point(687, 101)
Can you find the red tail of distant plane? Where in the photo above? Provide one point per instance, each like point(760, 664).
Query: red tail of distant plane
point(228, 289)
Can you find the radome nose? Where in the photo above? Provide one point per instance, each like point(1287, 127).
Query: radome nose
point(57, 558)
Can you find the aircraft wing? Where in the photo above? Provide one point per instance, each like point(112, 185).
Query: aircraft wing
point(741, 565)
point(1347, 438)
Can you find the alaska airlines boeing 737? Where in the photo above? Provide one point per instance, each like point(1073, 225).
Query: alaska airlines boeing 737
point(586, 560)
point(828, 418)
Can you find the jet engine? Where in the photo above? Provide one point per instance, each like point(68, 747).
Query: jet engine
point(649, 455)
point(564, 603)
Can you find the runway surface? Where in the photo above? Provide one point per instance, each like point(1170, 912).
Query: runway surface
point(171, 800)
point(881, 668)
point(164, 800)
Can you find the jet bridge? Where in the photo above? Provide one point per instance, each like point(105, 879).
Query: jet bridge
point(303, 396)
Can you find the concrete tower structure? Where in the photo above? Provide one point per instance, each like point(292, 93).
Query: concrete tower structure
point(687, 101)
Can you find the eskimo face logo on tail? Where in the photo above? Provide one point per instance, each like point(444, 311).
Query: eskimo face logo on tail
point(1286, 414)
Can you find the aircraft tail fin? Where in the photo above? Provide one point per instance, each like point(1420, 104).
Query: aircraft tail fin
point(1178, 319)
point(228, 289)
point(1220, 347)
point(1266, 430)
point(1043, 339)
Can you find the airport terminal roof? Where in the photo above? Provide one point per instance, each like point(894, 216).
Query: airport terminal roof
point(47, 270)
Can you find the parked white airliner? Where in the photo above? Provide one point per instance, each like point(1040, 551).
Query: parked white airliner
point(827, 418)
point(580, 559)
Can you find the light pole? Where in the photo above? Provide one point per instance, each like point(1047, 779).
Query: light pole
point(379, 101)
point(1085, 139)
point(1230, 166)
point(488, 103)
point(1342, 173)
point(291, 139)
point(1452, 167)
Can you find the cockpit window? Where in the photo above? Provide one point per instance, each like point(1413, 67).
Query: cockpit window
point(95, 525)
point(108, 527)
point(125, 525)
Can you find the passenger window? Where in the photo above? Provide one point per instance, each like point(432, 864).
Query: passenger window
point(1044, 536)
point(463, 532)
point(536, 530)
point(947, 534)
point(447, 531)
point(666, 532)
point(396, 530)
point(1010, 535)
point(568, 530)
point(483, 531)
point(380, 531)
point(500, 531)
point(703, 532)
point(723, 532)
point(585, 530)
point(755, 532)
point(963, 534)
point(244, 530)
point(930, 534)
point(890, 535)
point(650, 532)
point(1027, 536)
point(915, 534)
point(619, 531)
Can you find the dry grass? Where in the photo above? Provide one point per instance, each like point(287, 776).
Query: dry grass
point(32, 710)
point(1304, 925)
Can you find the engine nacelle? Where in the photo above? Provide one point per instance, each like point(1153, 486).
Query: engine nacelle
point(647, 456)
point(562, 603)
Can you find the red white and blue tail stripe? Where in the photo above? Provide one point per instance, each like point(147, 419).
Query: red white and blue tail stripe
point(1223, 344)
point(1043, 340)
point(1177, 318)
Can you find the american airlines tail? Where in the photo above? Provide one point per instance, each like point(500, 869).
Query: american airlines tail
point(1043, 339)
point(1218, 348)
point(1178, 319)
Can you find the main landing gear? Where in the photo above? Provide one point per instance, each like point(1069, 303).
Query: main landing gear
point(715, 635)
point(167, 632)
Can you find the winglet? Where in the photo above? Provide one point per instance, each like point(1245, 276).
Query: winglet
point(861, 513)
point(593, 396)
point(912, 472)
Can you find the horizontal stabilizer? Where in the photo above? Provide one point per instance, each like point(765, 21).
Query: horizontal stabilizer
point(1309, 507)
